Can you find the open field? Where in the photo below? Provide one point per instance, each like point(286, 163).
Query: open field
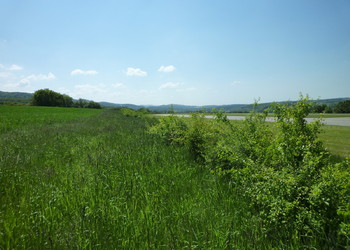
point(104, 182)
point(13, 117)
point(337, 139)
point(80, 178)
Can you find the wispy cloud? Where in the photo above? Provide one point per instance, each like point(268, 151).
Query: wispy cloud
point(236, 83)
point(135, 72)
point(83, 72)
point(5, 74)
point(15, 67)
point(166, 69)
point(170, 85)
point(90, 88)
point(27, 80)
point(118, 85)
point(11, 67)
point(15, 84)
point(186, 90)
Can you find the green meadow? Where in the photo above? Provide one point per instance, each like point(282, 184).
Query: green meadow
point(84, 178)
point(18, 117)
point(337, 140)
point(101, 181)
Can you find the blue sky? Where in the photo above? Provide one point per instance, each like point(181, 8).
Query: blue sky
point(193, 52)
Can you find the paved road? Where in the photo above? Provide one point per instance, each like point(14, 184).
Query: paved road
point(339, 121)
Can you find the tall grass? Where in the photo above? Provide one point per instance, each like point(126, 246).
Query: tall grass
point(13, 117)
point(104, 182)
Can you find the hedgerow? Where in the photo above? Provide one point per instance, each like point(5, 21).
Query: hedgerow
point(283, 170)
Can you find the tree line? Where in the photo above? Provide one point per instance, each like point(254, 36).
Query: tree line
point(341, 107)
point(47, 97)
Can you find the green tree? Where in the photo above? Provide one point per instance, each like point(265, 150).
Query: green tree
point(68, 101)
point(81, 103)
point(171, 109)
point(92, 105)
point(319, 108)
point(328, 110)
point(342, 107)
point(47, 97)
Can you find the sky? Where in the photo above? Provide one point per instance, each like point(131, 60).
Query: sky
point(191, 52)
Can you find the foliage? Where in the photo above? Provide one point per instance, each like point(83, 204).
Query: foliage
point(81, 103)
point(171, 129)
point(93, 105)
point(321, 108)
point(342, 107)
point(46, 97)
point(288, 177)
point(102, 182)
point(86, 178)
point(134, 113)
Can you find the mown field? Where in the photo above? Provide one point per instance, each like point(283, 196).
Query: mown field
point(337, 140)
point(82, 178)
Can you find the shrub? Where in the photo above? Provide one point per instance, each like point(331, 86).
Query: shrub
point(282, 169)
point(171, 129)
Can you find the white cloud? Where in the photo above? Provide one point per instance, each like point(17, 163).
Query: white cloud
point(236, 83)
point(27, 80)
point(166, 69)
point(94, 92)
point(135, 72)
point(170, 85)
point(89, 88)
point(11, 68)
point(83, 72)
point(118, 85)
point(4, 74)
point(14, 67)
point(186, 90)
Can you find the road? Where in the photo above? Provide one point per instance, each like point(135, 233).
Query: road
point(338, 121)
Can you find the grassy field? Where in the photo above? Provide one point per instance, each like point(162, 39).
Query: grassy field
point(337, 139)
point(104, 182)
point(80, 178)
point(13, 117)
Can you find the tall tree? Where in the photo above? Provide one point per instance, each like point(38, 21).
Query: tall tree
point(47, 97)
point(342, 107)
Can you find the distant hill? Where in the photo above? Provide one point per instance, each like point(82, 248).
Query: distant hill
point(114, 105)
point(22, 98)
point(332, 102)
point(14, 97)
point(231, 108)
point(19, 95)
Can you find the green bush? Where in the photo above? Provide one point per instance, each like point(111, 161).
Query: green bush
point(283, 170)
point(171, 129)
